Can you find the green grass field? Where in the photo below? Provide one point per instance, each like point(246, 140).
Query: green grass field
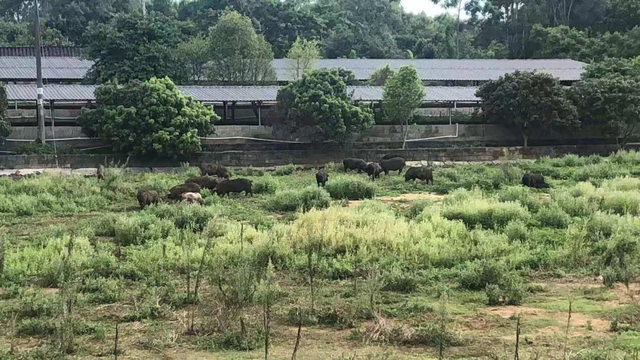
point(384, 270)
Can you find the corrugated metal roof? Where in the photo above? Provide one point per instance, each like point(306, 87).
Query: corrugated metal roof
point(24, 68)
point(428, 69)
point(234, 93)
point(432, 93)
point(50, 51)
point(444, 69)
point(231, 93)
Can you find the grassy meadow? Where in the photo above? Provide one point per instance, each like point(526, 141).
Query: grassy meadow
point(358, 270)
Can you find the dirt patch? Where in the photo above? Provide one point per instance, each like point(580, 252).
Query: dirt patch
point(405, 198)
point(580, 323)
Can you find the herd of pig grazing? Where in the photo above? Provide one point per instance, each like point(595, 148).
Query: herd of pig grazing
point(387, 164)
point(212, 177)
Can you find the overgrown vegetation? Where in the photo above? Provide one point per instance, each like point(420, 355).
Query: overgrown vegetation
point(240, 273)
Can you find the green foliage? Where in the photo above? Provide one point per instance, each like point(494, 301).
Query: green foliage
point(490, 214)
point(303, 54)
point(553, 217)
point(238, 54)
point(304, 200)
point(350, 189)
point(318, 107)
point(612, 103)
point(5, 126)
point(530, 102)
point(134, 47)
point(265, 185)
point(149, 118)
point(403, 94)
point(195, 54)
point(284, 170)
point(381, 76)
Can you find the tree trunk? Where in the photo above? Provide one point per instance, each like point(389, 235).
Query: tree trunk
point(526, 141)
point(405, 133)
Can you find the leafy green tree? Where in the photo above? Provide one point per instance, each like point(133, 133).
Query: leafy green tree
point(149, 118)
point(318, 107)
point(612, 103)
point(403, 94)
point(133, 47)
point(72, 17)
point(613, 67)
point(195, 54)
point(530, 102)
point(381, 75)
point(304, 54)
point(5, 126)
point(238, 54)
point(21, 34)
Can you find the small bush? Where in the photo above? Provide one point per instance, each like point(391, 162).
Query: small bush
point(489, 214)
point(305, 200)
point(350, 189)
point(248, 172)
point(183, 216)
point(265, 185)
point(137, 230)
point(399, 280)
point(521, 194)
point(284, 170)
point(516, 231)
point(553, 218)
point(36, 327)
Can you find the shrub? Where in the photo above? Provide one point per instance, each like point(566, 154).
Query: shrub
point(305, 199)
point(521, 194)
point(489, 214)
point(516, 231)
point(553, 218)
point(284, 170)
point(477, 275)
point(399, 280)
point(265, 185)
point(149, 118)
point(137, 230)
point(248, 171)
point(102, 291)
point(183, 216)
point(36, 327)
point(350, 189)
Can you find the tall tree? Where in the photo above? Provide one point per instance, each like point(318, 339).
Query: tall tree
point(238, 54)
point(134, 47)
point(459, 5)
point(5, 126)
point(303, 54)
point(530, 102)
point(403, 94)
point(612, 103)
point(195, 54)
point(318, 107)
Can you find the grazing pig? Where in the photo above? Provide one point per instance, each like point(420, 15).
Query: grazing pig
point(205, 182)
point(100, 172)
point(175, 193)
point(420, 173)
point(193, 198)
point(535, 181)
point(354, 164)
point(322, 177)
point(393, 165)
point(213, 169)
point(147, 197)
point(390, 156)
point(234, 186)
point(373, 170)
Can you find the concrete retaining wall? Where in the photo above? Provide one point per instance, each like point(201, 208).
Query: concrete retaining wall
point(303, 157)
point(379, 133)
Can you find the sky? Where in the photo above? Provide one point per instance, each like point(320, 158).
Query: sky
point(418, 6)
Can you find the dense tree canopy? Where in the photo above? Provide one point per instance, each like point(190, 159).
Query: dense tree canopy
point(239, 55)
point(530, 102)
point(135, 47)
point(318, 108)
point(149, 118)
point(580, 29)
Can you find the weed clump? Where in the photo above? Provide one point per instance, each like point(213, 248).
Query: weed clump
point(350, 189)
